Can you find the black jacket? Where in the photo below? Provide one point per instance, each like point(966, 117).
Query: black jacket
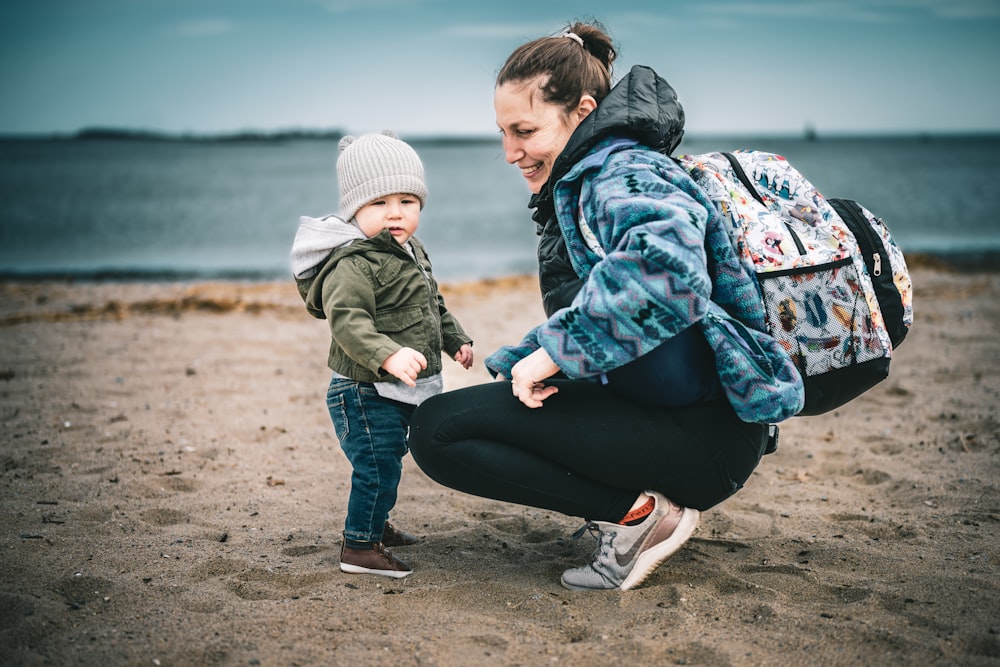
point(641, 106)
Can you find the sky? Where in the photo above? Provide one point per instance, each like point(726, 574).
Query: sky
point(426, 67)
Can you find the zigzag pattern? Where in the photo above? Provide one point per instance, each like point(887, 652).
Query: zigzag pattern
point(650, 277)
point(652, 285)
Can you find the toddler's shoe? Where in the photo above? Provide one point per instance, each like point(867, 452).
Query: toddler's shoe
point(377, 560)
point(394, 537)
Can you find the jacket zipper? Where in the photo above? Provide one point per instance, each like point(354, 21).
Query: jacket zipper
point(413, 257)
point(431, 299)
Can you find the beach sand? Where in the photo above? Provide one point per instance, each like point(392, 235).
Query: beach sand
point(173, 494)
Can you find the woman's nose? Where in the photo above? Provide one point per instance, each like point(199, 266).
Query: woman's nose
point(511, 149)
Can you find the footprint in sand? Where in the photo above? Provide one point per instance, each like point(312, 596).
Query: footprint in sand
point(79, 589)
point(179, 484)
point(165, 517)
point(526, 529)
point(259, 584)
point(795, 583)
point(303, 551)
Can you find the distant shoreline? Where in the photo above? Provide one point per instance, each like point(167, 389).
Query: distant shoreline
point(262, 136)
point(252, 136)
point(986, 261)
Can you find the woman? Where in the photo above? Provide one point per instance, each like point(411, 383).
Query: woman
point(624, 272)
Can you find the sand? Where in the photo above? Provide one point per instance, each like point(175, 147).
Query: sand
point(173, 494)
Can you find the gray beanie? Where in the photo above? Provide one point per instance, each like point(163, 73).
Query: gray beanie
point(375, 165)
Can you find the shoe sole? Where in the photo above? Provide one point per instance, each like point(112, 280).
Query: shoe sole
point(651, 559)
point(357, 569)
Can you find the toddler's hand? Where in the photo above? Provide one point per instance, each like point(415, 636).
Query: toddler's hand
point(405, 364)
point(464, 356)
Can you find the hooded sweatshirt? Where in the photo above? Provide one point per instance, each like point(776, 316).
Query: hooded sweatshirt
point(378, 297)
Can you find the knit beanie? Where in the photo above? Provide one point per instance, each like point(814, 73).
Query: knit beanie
point(375, 165)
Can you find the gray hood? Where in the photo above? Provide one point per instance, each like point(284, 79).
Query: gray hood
point(316, 238)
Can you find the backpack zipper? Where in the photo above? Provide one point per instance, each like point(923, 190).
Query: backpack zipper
point(749, 185)
point(859, 226)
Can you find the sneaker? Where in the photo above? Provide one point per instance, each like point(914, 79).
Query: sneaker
point(626, 555)
point(377, 560)
point(394, 537)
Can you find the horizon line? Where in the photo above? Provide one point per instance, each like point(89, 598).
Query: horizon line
point(125, 134)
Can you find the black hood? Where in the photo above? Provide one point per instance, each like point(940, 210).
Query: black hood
point(642, 106)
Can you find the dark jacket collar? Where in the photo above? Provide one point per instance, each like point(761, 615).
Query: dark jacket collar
point(642, 106)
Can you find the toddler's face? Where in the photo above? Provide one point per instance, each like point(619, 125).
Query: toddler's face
point(399, 213)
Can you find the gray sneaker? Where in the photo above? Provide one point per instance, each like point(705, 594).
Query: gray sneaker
point(626, 555)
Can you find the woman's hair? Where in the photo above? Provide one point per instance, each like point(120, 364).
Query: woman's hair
point(574, 63)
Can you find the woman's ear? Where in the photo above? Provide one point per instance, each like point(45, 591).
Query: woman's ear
point(584, 107)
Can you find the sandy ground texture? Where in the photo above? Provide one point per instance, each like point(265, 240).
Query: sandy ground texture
point(172, 493)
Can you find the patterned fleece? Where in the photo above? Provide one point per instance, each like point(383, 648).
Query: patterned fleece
point(654, 225)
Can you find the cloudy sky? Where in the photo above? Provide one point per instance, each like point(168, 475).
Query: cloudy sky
point(426, 67)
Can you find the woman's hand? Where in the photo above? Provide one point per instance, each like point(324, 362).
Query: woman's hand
point(405, 364)
point(527, 375)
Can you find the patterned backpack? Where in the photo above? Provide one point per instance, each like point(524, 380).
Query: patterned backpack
point(835, 285)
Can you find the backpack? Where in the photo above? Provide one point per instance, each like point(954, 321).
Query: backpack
point(835, 286)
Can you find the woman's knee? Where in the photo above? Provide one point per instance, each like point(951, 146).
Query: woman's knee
point(427, 419)
point(424, 415)
point(450, 416)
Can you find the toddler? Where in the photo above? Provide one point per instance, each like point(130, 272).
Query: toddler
point(369, 277)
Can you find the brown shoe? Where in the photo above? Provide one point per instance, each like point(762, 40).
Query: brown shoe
point(373, 561)
point(393, 537)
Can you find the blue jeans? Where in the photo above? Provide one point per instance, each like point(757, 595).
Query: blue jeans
point(372, 432)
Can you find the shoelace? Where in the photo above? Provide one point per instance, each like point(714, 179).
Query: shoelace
point(589, 526)
point(383, 552)
point(604, 546)
point(604, 540)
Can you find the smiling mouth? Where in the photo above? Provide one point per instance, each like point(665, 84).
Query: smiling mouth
point(528, 172)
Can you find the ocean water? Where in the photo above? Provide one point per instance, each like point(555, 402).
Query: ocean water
point(137, 209)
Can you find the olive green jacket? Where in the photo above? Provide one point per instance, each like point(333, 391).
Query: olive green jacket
point(379, 298)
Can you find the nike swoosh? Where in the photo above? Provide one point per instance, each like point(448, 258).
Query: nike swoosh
point(628, 556)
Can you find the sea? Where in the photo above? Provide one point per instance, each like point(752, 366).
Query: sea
point(113, 208)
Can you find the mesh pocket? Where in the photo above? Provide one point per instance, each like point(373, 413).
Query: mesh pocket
point(821, 317)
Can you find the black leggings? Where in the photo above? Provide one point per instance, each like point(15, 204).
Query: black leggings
point(585, 452)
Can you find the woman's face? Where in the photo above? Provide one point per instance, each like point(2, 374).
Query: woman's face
point(534, 132)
